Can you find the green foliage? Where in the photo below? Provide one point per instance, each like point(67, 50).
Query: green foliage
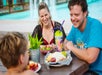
point(34, 42)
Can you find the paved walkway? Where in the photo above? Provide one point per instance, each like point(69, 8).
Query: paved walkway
point(26, 25)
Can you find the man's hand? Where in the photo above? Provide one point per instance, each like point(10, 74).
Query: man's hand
point(69, 45)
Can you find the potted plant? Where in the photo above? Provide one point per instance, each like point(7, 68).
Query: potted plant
point(34, 47)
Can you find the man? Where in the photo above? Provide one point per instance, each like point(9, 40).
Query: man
point(86, 33)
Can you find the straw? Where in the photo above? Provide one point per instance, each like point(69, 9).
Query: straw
point(62, 25)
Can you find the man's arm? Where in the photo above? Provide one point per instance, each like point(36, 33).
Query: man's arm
point(89, 55)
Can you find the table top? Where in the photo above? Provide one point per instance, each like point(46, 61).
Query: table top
point(76, 67)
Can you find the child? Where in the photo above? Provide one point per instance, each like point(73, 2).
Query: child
point(14, 54)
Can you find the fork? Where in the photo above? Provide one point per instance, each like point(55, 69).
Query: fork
point(47, 66)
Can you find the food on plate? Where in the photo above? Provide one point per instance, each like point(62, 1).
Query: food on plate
point(32, 65)
point(64, 53)
point(55, 57)
point(45, 48)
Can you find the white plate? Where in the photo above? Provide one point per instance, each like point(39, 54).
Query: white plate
point(39, 67)
point(56, 65)
point(64, 62)
point(67, 61)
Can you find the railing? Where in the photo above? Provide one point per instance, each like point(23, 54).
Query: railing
point(10, 6)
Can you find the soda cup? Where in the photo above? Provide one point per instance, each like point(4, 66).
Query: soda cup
point(58, 39)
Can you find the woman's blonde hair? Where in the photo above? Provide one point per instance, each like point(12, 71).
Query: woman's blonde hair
point(41, 6)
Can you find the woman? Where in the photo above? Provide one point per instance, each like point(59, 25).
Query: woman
point(47, 28)
point(14, 54)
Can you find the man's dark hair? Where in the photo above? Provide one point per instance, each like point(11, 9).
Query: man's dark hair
point(82, 3)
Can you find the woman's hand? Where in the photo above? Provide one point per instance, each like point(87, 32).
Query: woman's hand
point(65, 44)
point(54, 46)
